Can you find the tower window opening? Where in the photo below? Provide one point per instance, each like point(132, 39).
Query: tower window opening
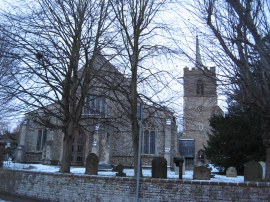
point(200, 87)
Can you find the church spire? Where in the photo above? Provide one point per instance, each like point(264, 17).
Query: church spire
point(198, 54)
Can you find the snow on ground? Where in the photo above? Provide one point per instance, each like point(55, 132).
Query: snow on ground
point(188, 175)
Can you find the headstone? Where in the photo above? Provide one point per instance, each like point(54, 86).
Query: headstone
point(159, 167)
point(2, 153)
point(263, 169)
point(119, 169)
point(91, 164)
point(201, 173)
point(253, 171)
point(231, 172)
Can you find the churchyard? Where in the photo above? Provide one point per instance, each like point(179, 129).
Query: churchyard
point(254, 171)
point(201, 174)
point(99, 181)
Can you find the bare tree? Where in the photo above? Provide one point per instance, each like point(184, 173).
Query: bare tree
point(7, 65)
point(55, 44)
point(137, 25)
point(240, 40)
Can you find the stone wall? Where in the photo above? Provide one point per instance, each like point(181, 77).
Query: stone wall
point(69, 187)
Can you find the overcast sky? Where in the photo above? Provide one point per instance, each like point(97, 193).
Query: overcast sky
point(182, 30)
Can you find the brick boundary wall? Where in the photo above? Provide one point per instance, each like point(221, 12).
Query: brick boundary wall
point(70, 187)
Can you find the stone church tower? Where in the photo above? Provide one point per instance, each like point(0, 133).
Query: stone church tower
point(200, 103)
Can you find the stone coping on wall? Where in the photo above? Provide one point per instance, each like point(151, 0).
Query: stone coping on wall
point(145, 179)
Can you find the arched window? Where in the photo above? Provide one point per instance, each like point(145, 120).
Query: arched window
point(95, 106)
point(41, 139)
point(200, 87)
point(149, 142)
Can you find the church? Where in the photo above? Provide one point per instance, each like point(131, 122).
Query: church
point(200, 104)
point(107, 133)
point(104, 129)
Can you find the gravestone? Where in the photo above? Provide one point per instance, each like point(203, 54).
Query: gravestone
point(119, 169)
point(91, 164)
point(253, 171)
point(201, 173)
point(2, 153)
point(159, 167)
point(231, 172)
point(263, 169)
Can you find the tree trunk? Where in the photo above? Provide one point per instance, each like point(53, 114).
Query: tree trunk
point(67, 149)
point(265, 124)
point(135, 144)
point(267, 164)
point(66, 154)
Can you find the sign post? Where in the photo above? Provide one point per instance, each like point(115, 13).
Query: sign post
point(140, 120)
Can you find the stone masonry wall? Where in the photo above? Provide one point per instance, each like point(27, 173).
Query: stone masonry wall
point(69, 187)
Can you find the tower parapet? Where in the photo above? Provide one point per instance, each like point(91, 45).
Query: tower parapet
point(194, 70)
